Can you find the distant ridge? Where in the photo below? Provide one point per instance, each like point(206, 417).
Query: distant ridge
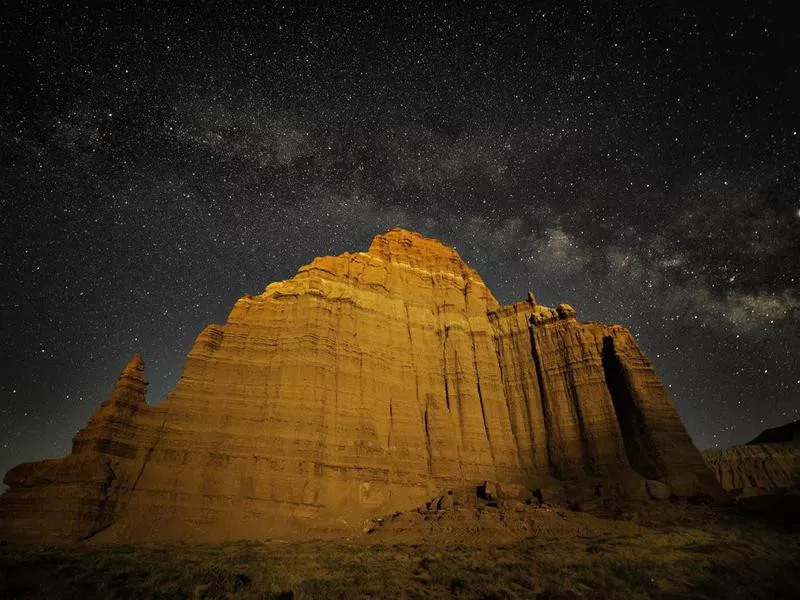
point(785, 433)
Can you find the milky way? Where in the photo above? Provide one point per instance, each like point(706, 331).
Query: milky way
point(638, 162)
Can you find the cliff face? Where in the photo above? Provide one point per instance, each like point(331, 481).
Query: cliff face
point(361, 386)
point(769, 463)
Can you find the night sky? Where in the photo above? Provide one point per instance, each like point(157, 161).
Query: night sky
point(640, 162)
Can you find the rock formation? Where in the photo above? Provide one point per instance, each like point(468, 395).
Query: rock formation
point(770, 463)
point(365, 384)
point(785, 433)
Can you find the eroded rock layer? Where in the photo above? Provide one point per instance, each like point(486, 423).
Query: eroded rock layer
point(758, 468)
point(770, 463)
point(365, 384)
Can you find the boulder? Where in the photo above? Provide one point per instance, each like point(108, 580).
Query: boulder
point(487, 491)
point(446, 502)
point(513, 491)
point(635, 489)
point(565, 311)
point(578, 493)
point(657, 490)
point(552, 494)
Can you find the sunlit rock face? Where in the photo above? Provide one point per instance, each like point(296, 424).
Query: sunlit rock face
point(362, 386)
point(768, 464)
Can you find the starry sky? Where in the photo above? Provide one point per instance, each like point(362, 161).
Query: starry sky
point(639, 161)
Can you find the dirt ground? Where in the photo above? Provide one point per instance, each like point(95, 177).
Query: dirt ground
point(664, 550)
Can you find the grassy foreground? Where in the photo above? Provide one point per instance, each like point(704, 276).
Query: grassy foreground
point(682, 551)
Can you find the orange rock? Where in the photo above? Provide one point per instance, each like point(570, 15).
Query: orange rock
point(365, 384)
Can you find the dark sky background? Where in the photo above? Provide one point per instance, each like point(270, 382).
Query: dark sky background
point(638, 161)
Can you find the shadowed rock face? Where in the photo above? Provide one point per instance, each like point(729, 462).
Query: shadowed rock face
point(785, 433)
point(363, 385)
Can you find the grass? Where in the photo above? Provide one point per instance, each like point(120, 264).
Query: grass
point(697, 552)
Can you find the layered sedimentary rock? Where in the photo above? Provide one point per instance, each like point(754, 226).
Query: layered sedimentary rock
point(365, 384)
point(769, 463)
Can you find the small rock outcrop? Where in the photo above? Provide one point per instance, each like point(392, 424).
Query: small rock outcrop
point(366, 384)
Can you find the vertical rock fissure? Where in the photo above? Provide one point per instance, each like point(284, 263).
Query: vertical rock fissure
point(480, 394)
point(408, 323)
point(391, 424)
point(582, 429)
point(337, 358)
point(519, 352)
point(446, 388)
point(444, 371)
point(416, 392)
point(329, 418)
point(628, 415)
point(458, 408)
point(542, 392)
point(512, 419)
point(483, 414)
point(149, 453)
point(428, 440)
point(105, 491)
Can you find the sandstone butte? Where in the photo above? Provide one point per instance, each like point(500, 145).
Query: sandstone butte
point(364, 385)
point(768, 464)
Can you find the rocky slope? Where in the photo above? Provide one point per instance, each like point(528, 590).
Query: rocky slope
point(769, 463)
point(365, 384)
